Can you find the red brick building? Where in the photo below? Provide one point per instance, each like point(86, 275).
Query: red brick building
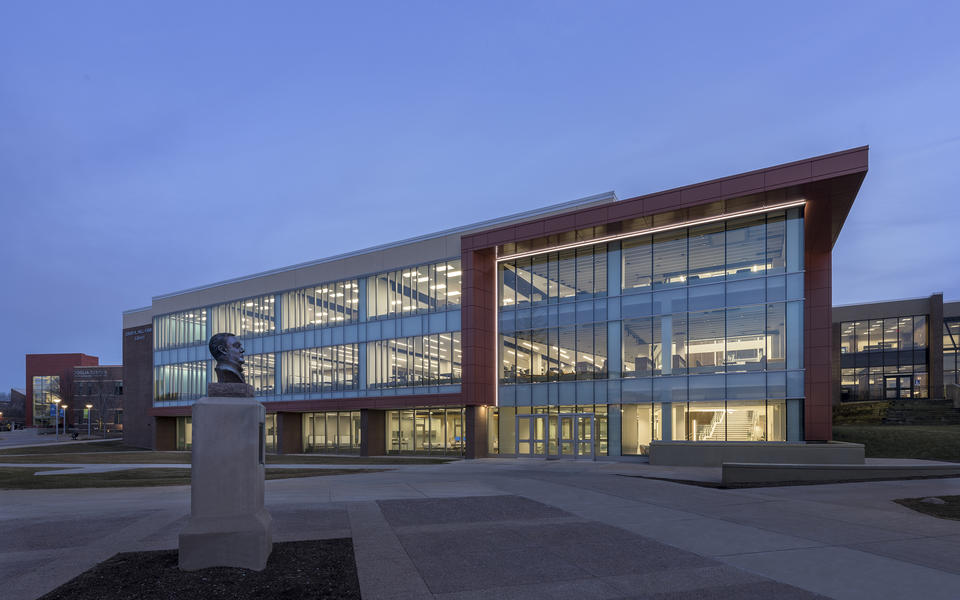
point(101, 388)
point(50, 377)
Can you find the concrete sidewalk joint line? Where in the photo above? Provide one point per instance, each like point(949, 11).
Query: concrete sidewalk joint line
point(527, 529)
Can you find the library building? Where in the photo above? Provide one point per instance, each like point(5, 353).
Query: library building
point(588, 329)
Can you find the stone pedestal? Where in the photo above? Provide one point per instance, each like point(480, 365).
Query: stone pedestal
point(228, 526)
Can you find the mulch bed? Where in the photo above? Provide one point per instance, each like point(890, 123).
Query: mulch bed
point(949, 510)
point(310, 569)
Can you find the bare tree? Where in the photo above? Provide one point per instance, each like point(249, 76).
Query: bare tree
point(104, 399)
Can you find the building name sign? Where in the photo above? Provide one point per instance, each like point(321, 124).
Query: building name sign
point(89, 373)
point(138, 334)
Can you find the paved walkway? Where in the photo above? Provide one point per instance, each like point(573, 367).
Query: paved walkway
point(75, 468)
point(534, 529)
point(631, 468)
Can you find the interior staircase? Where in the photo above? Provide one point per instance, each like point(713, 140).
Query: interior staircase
point(741, 425)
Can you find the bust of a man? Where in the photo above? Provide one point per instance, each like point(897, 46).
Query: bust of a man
point(227, 350)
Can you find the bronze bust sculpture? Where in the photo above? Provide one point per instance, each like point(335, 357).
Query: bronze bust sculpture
point(228, 352)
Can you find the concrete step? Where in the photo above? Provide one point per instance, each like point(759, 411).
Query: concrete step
point(927, 411)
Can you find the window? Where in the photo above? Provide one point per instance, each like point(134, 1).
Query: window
point(415, 361)
point(180, 329)
point(562, 276)
point(323, 305)
point(46, 391)
point(331, 432)
point(260, 372)
point(884, 357)
point(248, 317)
point(181, 381)
point(424, 288)
point(325, 369)
point(425, 431)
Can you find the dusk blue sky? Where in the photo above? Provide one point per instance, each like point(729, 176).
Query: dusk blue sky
point(148, 147)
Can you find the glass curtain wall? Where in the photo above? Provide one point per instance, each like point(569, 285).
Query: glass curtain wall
point(726, 340)
point(733, 421)
point(321, 306)
point(710, 318)
point(184, 433)
point(884, 359)
point(414, 361)
point(248, 317)
point(179, 382)
point(748, 421)
point(563, 276)
point(260, 372)
point(326, 369)
point(180, 329)
point(271, 432)
point(425, 431)
point(46, 389)
point(502, 437)
point(576, 352)
point(425, 288)
point(951, 350)
point(331, 432)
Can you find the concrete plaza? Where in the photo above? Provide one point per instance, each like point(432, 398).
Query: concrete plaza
point(504, 528)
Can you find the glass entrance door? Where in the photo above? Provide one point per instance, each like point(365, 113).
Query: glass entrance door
point(585, 436)
point(567, 440)
point(897, 386)
point(575, 435)
point(531, 435)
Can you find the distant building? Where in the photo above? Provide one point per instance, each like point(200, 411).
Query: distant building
point(57, 378)
point(13, 408)
point(896, 350)
point(101, 388)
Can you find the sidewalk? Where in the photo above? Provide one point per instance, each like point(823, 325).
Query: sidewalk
point(534, 529)
point(75, 468)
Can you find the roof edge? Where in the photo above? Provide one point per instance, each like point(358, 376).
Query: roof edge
point(761, 170)
point(601, 198)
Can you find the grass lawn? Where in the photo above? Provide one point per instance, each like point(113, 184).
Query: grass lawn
point(101, 458)
point(860, 413)
point(312, 459)
point(114, 452)
point(930, 442)
point(950, 510)
point(23, 478)
point(86, 447)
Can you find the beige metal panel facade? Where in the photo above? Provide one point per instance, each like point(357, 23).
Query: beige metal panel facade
point(137, 317)
point(351, 266)
point(419, 250)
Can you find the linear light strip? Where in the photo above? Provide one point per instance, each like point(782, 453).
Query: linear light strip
point(497, 363)
point(620, 236)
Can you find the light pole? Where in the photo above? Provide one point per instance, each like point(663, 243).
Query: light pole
point(56, 418)
point(65, 407)
point(89, 417)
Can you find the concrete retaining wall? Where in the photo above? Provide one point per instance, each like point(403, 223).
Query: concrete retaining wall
point(714, 454)
point(740, 473)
